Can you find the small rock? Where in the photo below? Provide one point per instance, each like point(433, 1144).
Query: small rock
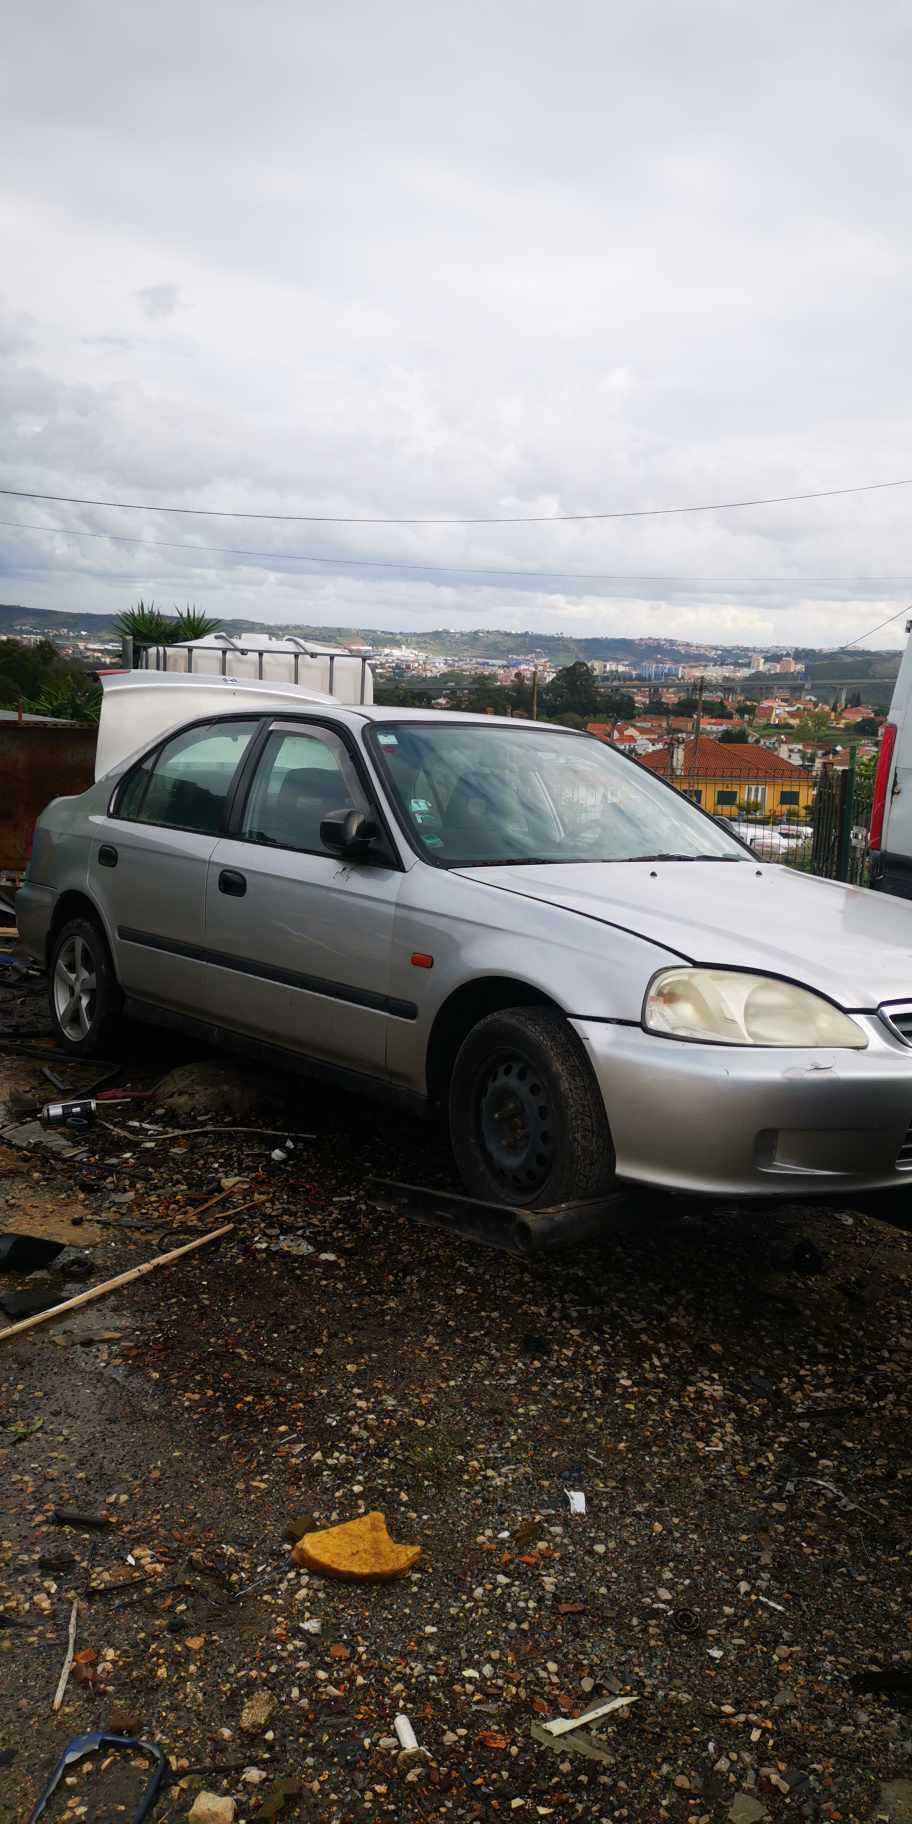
point(257, 1711)
point(896, 1801)
point(122, 1721)
point(746, 1810)
point(210, 1808)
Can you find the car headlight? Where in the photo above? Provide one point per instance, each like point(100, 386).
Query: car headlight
point(728, 1008)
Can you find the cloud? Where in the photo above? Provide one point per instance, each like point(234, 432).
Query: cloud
point(647, 259)
point(158, 301)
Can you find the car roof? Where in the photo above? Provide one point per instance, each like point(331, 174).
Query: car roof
point(382, 712)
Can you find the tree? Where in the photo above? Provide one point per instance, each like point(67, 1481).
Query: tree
point(733, 735)
point(572, 691)
point(45, 683)
point(715, 707)
point(617, 706)
point(396, 695)
point(868, 726)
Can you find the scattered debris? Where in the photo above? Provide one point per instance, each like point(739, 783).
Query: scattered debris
point(120, 1279)
point(892, 1681)
point(577, 1500)
point(408, 1741)
point(361, 1549)
point(687, 1621)
point(79, 1113)
point(81, 1517)
point(562, 1725)
point(36, 1300)
point(68, 1658)
point(27, 1253)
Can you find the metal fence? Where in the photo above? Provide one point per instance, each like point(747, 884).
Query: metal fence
point(820, 828)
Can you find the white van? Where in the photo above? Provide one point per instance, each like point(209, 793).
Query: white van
point(890, 839)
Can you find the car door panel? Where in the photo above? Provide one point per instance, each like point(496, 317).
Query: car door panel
point(299, 939)
point(152, 900)
point(302, 957)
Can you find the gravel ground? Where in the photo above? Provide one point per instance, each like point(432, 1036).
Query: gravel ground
point(739, 1427)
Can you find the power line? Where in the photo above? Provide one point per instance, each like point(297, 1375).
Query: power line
point(514, 519)
point(872, 630)
point(341, 561)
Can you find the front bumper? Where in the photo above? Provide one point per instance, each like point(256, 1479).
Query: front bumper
point(747, 1121)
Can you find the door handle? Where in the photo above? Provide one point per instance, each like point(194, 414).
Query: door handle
point(232, 883)
point(107, 856)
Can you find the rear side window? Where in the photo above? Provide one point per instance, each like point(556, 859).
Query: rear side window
point(184, 786)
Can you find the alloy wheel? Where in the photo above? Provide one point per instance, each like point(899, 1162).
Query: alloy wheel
point(75, 989)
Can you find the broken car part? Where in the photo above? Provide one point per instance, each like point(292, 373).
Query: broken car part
point(82, 1745)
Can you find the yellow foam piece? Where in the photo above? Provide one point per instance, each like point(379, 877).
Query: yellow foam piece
point(361, 1549)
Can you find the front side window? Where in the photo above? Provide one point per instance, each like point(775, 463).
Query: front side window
point(470, 794)
point(301, 778)
point(184, 786)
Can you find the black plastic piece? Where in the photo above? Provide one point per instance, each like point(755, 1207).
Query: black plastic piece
point(82, 1745)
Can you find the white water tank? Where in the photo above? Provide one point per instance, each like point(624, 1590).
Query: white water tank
point(332, 670)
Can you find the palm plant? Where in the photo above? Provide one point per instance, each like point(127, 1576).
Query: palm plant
point(145, 624)
point(190, 624)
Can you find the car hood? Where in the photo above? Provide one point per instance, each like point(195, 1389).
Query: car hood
point(851, 944)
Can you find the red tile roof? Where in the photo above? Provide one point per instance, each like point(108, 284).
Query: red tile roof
point(706, 759)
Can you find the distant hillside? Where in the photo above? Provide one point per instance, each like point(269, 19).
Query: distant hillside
point(871, 672)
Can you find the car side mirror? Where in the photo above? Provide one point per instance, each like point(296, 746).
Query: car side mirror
point(351, 833)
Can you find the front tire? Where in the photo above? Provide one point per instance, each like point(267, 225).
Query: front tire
point(527, 1122)
point(82, 989)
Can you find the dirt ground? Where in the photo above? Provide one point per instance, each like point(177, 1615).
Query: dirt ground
point(735, 1413)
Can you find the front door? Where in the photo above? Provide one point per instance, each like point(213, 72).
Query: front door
point(298, 940)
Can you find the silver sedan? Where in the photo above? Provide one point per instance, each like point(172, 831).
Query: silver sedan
point(503, 920)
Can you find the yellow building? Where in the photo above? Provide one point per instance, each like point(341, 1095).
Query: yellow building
point(731, 778)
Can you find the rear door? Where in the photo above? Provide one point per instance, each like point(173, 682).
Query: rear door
point(149, 855)
point(299, 940)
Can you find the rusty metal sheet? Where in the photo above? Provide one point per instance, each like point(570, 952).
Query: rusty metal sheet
point(38, 761)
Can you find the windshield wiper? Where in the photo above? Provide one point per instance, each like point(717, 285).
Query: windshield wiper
point(669, 857)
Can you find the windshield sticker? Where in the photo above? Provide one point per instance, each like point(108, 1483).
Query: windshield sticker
point(433, 842)
point(419, 804)
point(387, 741)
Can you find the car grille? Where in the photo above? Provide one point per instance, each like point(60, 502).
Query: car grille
point(899, 1020)
point(904, 1156)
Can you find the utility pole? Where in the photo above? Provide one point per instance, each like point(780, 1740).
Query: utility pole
point(698, 718)
point(535, 694)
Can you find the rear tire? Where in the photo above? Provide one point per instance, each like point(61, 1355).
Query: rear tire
point(527, 1122)
point(82, 989)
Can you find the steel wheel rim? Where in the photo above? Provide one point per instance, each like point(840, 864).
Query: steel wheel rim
point(516, 1124)
point(75, 989)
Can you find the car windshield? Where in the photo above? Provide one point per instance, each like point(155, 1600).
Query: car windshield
point(473, 795)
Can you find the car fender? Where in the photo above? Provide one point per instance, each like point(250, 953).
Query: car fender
point(451, 932)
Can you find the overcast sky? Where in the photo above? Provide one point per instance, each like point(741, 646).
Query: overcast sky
point(344, 259)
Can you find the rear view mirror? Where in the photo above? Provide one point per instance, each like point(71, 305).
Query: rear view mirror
point(349, 832)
